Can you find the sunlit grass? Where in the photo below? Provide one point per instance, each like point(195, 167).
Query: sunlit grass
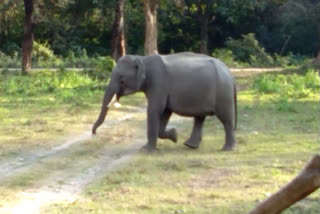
point(273, 147)
point(274, 143)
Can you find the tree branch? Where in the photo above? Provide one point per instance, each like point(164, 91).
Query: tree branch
point(302, 185)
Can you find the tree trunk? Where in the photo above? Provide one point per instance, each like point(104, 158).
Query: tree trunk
point(316, 60)
point(304, 184)
point(204, 21)
point(118, 46)
point(28, 37)
point(151, 31)
point(285, 44)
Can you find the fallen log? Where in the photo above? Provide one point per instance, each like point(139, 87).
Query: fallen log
point(307, 181)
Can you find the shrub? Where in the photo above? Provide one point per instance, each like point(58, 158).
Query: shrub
point(62, 83)
point(43, 56)
point(266, 85)
point(225, 56)
point(10, 48)
point(248, 49)
point(281, 60)
point(79, 59)
point(7, 61)
point(288, 88)
point(312, 80)
point(283, 104)
point(291, 85)
point(103, 68)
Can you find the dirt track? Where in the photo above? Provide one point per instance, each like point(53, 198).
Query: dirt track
point(73, 168)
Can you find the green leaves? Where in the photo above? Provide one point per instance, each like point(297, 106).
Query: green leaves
point(290, 85)
point(248, 49)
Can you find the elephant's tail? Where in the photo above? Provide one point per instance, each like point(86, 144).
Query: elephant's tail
point(235, 105)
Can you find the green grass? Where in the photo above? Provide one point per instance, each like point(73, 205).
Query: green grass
point(38, 109)
point(274, 143)
point(273, 147)
point(292, 85)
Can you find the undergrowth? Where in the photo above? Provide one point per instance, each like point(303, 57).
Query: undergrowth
point(288, 88)
point(62, 85)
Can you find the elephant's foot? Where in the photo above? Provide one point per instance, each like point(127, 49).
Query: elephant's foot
point(172, 133)
point(148, 148)
point(192, 143)
point(229, 147)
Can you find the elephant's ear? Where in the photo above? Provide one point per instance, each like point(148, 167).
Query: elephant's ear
point(141, 73)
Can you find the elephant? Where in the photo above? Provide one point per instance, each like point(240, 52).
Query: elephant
point(187, 84)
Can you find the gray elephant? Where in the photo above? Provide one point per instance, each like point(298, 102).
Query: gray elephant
point(187, 84)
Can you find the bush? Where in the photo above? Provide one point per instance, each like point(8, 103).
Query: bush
point(103, 68)
point(248, 49)
point(312, 80)
point(266, 84)
point(80, 59)
point(43, 56)
point(284, 104)
point(62, 83)
point(10, 48)
point(291, 85)
point(281, 60)
point(7, 61)
point(225, 56)
point(288, 88)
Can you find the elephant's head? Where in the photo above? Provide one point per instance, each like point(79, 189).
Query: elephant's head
point(127, 78)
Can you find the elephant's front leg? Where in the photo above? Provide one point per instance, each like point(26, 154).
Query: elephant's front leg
point(196, 135)
point(170, 133)
point(153, 121)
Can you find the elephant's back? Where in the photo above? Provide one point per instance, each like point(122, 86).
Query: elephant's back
point(188, 68)
point(193, 62)
point(184, 60)
point(196, 83)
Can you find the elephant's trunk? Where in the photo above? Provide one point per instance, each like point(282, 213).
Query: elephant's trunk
point(109, 94)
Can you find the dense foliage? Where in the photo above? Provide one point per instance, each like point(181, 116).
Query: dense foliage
point(60, 86)
point(288, 88)
point(74, 28)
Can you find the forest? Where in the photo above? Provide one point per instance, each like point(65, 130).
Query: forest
point(61, 77)
point(256, 32)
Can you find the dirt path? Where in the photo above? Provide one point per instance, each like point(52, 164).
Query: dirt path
point(61, 173)
point(24, 161)
point(54, 191)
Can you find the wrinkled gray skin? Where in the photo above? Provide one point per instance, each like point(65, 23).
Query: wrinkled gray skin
point(187, 84)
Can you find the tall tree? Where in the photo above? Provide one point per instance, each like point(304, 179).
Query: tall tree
point(203, 11)
point(316, 17)
point(118, 46)
point(28, 36)
point(151, 28)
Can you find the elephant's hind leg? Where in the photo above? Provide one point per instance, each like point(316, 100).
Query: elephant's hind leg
point(196, 135)
point(163, 133)
point(230, 140)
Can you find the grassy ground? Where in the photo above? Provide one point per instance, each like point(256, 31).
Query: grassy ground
point(275, 142)
point(38, 110)
point(274, 145)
